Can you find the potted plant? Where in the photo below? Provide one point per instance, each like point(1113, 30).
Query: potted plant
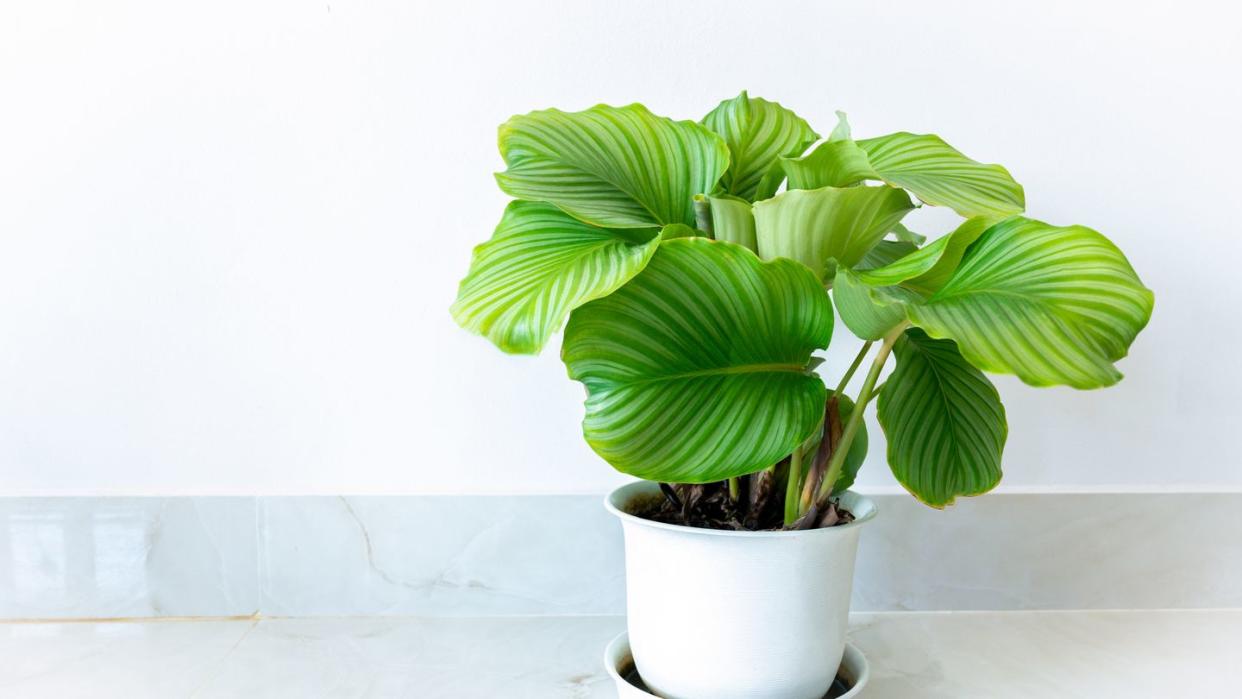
point(696, 296)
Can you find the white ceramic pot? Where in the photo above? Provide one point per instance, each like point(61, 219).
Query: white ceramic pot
point(737, 615)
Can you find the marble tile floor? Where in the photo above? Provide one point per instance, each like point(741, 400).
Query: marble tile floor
point(1096, 654)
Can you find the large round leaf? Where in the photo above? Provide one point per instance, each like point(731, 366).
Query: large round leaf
point(813, 226)
point(539, 264)
point(618, 167)
point(696, 370)
point(758, 133)
point(1051, 305)
point(944, 422)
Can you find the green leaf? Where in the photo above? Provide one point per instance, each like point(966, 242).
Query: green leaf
point(884, 253)
point(928, 268)
point(758, 132)
point(618, 167)
point(731, 220)
point(813, 226)
point(939, 175)
point(858, 448)
point(539, 264)
point(831, 164)
point(678, 230)
point(696, 370)
point(944, 422)
point(841, 132)
point(1051, 305)
point(905, 235)
point(870, 312)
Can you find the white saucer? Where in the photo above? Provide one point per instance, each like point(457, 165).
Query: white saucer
point(617, 658)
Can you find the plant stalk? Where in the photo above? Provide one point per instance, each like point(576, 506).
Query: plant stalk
point(793, 483)
point(837, 463)
point(735, 489)
point(849, 373)
point(827, 445)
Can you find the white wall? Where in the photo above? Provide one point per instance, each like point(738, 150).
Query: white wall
point(230, 231)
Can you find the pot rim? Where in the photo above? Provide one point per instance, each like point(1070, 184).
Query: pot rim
point(619, 496)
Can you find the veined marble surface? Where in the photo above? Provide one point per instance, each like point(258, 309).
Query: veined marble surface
point(949, 655)
point(128, 557)
point(562, 555)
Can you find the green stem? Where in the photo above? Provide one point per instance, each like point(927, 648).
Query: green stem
point(735, 489)
point(849, 373)
point(792, 485)
point(837, 463)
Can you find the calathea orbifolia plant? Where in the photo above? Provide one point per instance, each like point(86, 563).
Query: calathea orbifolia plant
point(696, 295)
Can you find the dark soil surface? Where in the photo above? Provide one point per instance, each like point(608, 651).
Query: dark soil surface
point(839, 686)
point(710, 507)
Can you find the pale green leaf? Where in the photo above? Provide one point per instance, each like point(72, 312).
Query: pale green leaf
point(905, 235)
point(679, 230)
point(697, 369)
point(758, 132)
point(771, 181)
point(841, 132)
point(813, 226)
point(539, 264)
point(731, 219)
point(619, 167)
point(831, 164)
point(884, 253)
point(928, 268)
point(938, 174)
point(1051, 305)
point(943, 420)
point(870, 312)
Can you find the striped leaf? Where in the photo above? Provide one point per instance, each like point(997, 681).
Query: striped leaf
point(617, 167)
point(758, 132)
point(731, 219)
point(928, 268)
point(944, 422)
point(1051, 305)
point(839, 163)
point(697, 369)
point(873, 300)
point(870, 312)
point(539, 264)
point(939, 175)
point(816, 225)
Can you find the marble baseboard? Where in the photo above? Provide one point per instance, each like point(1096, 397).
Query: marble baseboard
point(464, 556)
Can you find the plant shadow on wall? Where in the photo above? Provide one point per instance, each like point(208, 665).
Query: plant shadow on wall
point(696, 295)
